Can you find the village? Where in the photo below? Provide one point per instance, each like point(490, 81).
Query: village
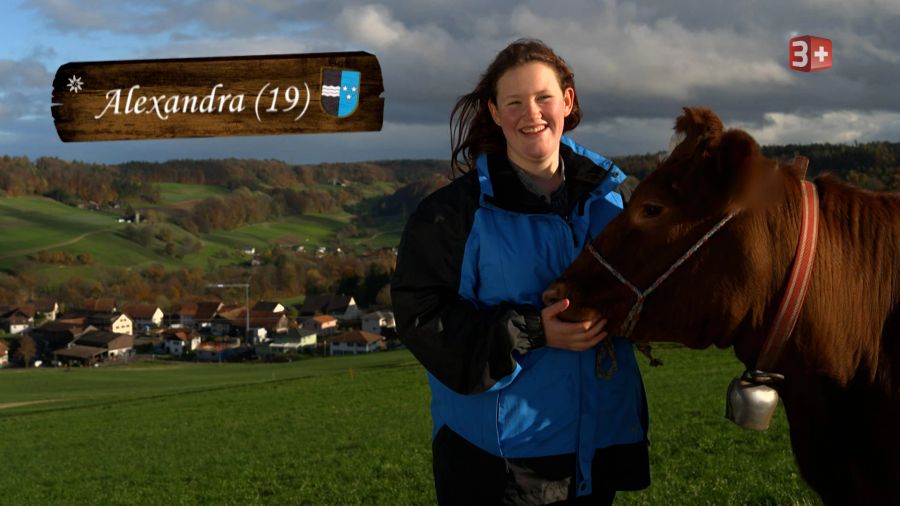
point(100, 332)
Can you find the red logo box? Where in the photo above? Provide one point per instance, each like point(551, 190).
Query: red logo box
point(809, 53)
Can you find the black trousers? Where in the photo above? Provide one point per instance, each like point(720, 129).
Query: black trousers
point(465, 474)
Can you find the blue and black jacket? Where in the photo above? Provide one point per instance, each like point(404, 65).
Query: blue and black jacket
point(473, 262)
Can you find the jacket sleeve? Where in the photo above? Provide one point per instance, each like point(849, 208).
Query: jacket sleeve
point(467, 348)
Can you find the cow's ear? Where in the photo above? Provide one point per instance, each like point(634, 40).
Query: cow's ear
point(698, 123)
point(740, 166)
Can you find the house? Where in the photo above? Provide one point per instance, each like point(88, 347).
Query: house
point(221, 325)
point(104, 305)
point(307, 338)
point(17, 319)
point(181, 341)
point(46, 308)
point(196, 314)
point(354, 342)
point(274, 323)
point(4, 354)
point(217, 351)
point(144, 316)
point(269, 307)
point(261, 324)
point(206, 312)
point(324, 325)
point(114, 344)
point(340, 306)
point(295, 341)
point(185, 315)
point(376, 321)
point(115, 322)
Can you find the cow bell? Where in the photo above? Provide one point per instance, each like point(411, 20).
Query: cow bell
point(751, 401)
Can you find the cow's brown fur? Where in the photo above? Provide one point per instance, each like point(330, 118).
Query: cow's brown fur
point(842, 364)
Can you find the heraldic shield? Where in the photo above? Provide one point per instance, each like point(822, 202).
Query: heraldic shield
point(340, 92)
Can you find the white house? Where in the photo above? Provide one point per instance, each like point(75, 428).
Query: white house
point(118, 323)
point(375, 321)
point(306, 337)
point(46, 308)
point(180, 342)
point(354, 342)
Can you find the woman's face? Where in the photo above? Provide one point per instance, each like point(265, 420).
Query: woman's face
point(531, 109)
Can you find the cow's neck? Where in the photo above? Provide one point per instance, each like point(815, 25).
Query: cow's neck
point(852, 298)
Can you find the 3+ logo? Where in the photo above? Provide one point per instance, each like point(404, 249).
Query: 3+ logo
point(810, 53)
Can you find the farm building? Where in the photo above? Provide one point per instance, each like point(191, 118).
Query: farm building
point(114, 344)
point(76, 354)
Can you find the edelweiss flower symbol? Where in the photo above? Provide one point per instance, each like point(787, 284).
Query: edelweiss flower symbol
point(75, 84)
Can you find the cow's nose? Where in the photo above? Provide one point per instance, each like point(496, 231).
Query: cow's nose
point(555, 293)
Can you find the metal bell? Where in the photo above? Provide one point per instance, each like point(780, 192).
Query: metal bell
point(750, 401)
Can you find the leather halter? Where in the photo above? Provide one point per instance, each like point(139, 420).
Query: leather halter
point(791, 302)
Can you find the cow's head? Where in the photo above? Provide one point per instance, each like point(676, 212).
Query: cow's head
point(707, 175)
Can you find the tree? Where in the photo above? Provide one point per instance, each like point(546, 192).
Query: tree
point(26, 351)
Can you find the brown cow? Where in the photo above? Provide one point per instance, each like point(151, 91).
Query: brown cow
point(841, 365)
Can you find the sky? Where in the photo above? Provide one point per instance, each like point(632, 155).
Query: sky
point(636, 65)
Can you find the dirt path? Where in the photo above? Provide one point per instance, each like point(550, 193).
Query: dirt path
point(9, 405)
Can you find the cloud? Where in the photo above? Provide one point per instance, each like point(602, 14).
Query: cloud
point(235, 17)
point(841, 126)
point(24, 89)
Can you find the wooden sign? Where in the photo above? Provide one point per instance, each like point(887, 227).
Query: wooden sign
point(212, 97)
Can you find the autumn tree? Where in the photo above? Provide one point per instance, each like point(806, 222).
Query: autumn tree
point(26, 350)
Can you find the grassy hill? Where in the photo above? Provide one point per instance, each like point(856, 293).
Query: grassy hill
point(39, 224)
point(341, 430)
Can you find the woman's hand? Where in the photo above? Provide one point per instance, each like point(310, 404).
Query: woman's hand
point(572, 336)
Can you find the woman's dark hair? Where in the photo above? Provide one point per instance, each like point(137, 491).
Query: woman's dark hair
point(472, 129)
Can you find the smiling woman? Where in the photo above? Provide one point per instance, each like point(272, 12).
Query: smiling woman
point(520, 416)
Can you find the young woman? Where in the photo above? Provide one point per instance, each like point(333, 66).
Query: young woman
point(520, 414)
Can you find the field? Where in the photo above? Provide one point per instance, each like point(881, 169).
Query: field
point(347, 430)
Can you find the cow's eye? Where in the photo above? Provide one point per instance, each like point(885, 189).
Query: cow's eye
point(652, 210)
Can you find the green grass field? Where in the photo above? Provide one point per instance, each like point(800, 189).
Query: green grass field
point(176, 193)
point(38, 223)
point(343, 430)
